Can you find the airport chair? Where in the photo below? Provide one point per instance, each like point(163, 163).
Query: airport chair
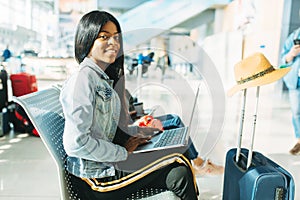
point(45, 112)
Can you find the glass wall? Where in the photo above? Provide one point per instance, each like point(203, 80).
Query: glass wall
point(27, 25)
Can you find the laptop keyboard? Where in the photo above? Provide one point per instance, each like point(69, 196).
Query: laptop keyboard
point(170, 137)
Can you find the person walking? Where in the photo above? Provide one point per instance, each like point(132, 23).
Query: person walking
point(6, 54)
point(290, 56)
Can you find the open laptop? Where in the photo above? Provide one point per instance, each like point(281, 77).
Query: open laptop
point(172, 138)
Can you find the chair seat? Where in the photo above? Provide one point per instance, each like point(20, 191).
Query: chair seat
point(153, 194)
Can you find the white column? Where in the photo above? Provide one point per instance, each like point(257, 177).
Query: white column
point(28, 11)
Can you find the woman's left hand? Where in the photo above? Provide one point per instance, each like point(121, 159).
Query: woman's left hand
point(147, 131)
point(155, 123)
point(149, 121)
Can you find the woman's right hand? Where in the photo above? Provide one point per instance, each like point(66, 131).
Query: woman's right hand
point(295, 50)
point(134, 141)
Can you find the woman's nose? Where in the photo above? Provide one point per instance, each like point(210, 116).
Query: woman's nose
point(112, 40)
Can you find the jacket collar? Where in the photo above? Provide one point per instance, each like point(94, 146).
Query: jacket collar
point(87, 62)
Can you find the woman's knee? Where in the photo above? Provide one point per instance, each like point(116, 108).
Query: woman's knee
point(179, 175)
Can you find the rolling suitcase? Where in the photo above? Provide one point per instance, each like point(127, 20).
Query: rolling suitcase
point(4, 122)
point(23, 83)
point(250, 175)
point(3, 89)
point(22, 122)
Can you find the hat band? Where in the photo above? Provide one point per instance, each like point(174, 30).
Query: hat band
point(255, 76)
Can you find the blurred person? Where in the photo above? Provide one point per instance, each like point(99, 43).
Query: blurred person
point(97, 133)
point(290, 56)
point(6, 54)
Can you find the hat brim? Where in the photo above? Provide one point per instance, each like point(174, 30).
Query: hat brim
point(263, 80)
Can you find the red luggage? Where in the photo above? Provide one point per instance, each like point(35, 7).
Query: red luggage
point(23, 83)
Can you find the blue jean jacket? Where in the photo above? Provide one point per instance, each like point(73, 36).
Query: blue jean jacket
point(92, 110)
point(291, 78)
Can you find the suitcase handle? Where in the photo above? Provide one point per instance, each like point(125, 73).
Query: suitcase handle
point(253, 129)
point(257, 160)
point(238, 151)
point(250, 154)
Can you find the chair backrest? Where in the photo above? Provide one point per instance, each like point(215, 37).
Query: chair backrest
point(45, 112)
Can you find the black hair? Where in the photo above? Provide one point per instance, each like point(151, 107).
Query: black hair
point(87, 32)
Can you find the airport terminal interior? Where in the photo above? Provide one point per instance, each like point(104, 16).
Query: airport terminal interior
point(192, 44)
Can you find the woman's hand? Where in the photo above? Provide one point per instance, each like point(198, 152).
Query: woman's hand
point(295, 50)
point(149, 121)
point(155, 123)
point(147, 131)
point(134, 141)
point(144, 134)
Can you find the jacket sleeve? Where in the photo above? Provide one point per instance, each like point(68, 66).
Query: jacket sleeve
point(286, 48)
point(77, 99)
point(289, 43)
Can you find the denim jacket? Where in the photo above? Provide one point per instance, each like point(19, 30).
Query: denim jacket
point(92, 110)
point(291, 78)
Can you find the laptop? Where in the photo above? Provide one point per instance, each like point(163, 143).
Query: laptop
point(172, 138)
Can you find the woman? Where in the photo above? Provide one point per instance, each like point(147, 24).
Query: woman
point(96, 134)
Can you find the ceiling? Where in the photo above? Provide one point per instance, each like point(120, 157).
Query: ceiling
point(120, 4)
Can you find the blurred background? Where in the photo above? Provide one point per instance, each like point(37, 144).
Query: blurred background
point(40, 33)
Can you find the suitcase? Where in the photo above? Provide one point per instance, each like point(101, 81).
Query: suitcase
point(4, 122)
point(23, 83)
point(250, 175)
point(264, 179)
point(3, 89)
point(22, 122)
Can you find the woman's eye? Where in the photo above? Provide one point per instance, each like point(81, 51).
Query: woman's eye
point(116, 37)
point(106, 37)
point(103, 37)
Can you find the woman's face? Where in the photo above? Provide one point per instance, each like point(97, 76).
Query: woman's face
point(106, 47)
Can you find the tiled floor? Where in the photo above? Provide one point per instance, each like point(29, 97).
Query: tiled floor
point(27, 172)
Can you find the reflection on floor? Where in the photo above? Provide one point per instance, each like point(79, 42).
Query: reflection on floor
point(27, 172)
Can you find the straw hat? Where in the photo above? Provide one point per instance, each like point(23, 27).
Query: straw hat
point(253, 71)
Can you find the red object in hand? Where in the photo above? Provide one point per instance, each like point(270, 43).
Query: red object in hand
point(149, 121)
point(145, 120)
